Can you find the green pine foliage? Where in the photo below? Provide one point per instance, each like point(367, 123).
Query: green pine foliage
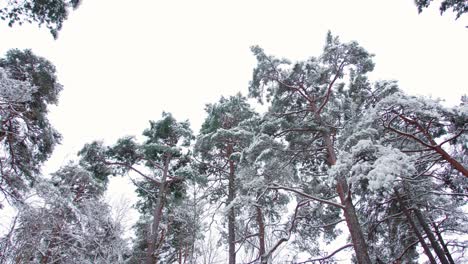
point(26, 136)
point(335, 156)
point(51, 13)
point(459, 7)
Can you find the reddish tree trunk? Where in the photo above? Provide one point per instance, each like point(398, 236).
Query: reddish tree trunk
point(435, 245)
point(157, 214)
point(357, 237)
point(418, 234)
point(457, 165)
point(442, 242)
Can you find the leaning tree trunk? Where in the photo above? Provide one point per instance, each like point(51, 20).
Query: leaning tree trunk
point(352, 221)
point(457, 165)
point(435, 245)
point(418, 234)
point(442, 242)
point(157, 215)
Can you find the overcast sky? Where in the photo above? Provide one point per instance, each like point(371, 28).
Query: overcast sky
point(122, 64)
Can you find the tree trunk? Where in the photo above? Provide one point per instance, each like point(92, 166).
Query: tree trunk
point(357, 237)
point(195, 230)
point(457, 165)
point(157, 214)
point(231, 213)
point(181, 254)
point(359, 243)
point(435, 245)
point(415, 228)
point(261, 236)
point(442, 242)
point(447, 157)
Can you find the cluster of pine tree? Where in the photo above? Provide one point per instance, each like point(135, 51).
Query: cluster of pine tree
point(334, 153)
point(335, 160)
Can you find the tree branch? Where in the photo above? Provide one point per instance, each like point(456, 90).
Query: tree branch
point(330, 86)
point(279, 187)
point(329, 256)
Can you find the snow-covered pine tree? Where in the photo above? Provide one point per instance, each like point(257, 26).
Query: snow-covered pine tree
point(66, 222)
point(431, 135)
point(307, 95)
point(263, 227)
point(160, 161)
point(224, 135)
point(27, 86)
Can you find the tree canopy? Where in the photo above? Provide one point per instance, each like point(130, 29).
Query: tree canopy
point(51, 13)
point(28, 85)
point(459, 7)
point(336, 163)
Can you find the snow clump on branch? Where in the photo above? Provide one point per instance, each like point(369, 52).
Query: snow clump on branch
point(375, 165)
point(16, 91)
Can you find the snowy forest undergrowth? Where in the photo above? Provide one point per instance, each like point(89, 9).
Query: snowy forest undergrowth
point(338, 168)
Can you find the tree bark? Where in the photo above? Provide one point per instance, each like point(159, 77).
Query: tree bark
point(195, 221)
point(352, 221)
point(457, 165)
point(157, 214)
point(430, 235)
point(442, 242)
point(231, 213)
point(261, 236)
point(418, 234)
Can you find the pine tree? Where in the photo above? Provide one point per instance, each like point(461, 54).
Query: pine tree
point(223, 136)
point(27, 86)
point(307, 96)
point(160, 161)
point(68, 223)
point(261, 166)
point(402, 175)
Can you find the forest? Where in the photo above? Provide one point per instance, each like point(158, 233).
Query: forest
point(314, 160)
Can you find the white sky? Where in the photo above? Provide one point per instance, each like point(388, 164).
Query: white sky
point(123, 62)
